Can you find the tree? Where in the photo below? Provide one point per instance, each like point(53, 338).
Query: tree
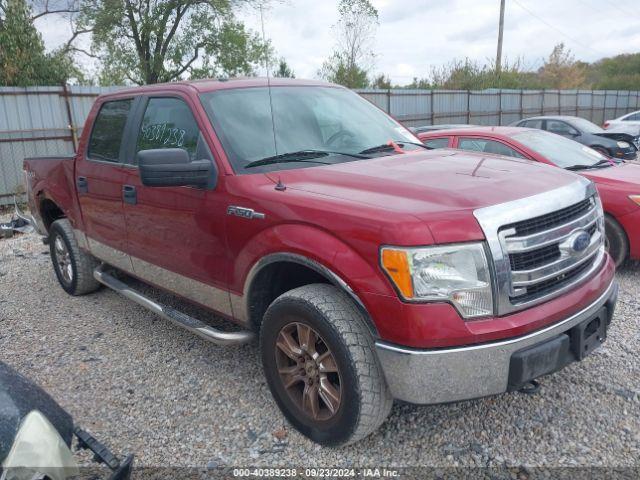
point(352, 58)
point(284, 71)
point(152, 41)
point(621, 72)
point(561, 70)
point(382, 81)
point(23, 60)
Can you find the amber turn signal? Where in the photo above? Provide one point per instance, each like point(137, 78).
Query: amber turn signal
point(396, 265)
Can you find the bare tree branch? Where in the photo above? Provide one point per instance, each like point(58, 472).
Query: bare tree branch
point(70, 8)
point(176, 73)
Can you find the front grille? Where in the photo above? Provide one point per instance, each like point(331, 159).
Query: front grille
point(551, 220)
point(549, 286)
point(535, 258)
point(541, 251)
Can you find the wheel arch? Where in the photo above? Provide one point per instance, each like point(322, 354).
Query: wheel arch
point(609, 217)
point(49, 211)
point(276, 273)
point(597, 146)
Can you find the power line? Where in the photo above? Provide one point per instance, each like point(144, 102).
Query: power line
point(621, 9)
point(576, 41)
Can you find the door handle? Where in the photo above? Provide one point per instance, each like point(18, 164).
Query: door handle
point(129, 194)
point(82, 185)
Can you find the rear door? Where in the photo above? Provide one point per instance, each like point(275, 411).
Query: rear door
point(99, 177)
point(175, 235)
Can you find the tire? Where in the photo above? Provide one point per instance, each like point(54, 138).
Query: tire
point(73, 267)
point(616, 241)
point(602, 150)
point(365, 400)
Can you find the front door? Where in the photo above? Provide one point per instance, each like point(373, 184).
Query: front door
point(99, 176)
point(175, 235)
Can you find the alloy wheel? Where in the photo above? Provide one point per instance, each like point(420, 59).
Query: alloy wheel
point(63, 260)
point(308, 371)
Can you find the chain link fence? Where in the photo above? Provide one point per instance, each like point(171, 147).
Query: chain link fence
point(45, 121)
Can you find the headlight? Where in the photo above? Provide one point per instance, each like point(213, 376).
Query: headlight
point(635, 199)
point(38, 449)
point(452, 273)
point(623, 145)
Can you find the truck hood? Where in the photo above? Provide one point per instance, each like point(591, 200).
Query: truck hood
point(429, 185)
point(624, 176)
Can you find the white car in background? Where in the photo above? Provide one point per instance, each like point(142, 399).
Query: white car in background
point(629, 123)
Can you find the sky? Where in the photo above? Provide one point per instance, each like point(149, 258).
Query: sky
point(416, 35)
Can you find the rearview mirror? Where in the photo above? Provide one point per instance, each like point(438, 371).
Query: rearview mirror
point(172, 167)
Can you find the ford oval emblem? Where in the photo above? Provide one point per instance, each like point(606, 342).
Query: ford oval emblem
point(580, 241)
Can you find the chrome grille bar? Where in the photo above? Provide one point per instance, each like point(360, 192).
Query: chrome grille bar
point(555, 264)
point(548, 237)
point(525, 278)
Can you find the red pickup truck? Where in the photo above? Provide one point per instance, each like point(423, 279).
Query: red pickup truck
point(369, 267)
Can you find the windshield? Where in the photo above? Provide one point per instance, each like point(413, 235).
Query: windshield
point(327, 119)
point(585, 125)
point(559, 150)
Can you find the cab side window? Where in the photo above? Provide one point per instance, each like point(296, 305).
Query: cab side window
point(560, 128)
point(487, 146)
point(169, 123)
point(532, 124)
point(442, 142)
point(108, 129)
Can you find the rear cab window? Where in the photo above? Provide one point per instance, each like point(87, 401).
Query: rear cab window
point(107, 133)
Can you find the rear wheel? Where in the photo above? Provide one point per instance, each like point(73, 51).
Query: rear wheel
point(73, 267)
point(616, 241)
point(321, 366)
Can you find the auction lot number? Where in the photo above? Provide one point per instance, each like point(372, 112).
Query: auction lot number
point(316, 472)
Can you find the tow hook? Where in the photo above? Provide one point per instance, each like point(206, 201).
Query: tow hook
point(530, 388)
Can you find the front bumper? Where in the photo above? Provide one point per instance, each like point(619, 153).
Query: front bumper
point(462, 373)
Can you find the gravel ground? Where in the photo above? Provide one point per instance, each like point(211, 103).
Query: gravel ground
point(142, 385)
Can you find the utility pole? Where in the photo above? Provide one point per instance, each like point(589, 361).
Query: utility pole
point(500, 32)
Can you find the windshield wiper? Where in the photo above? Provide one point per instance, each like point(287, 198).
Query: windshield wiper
point(404, 142)
point(385, 147)
point(600, 163)
point(304, 156)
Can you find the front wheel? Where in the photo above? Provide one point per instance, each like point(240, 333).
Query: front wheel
point(321, 366)
point(602, 151)
point(616, 241)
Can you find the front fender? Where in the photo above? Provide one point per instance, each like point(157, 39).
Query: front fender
point(315, 248)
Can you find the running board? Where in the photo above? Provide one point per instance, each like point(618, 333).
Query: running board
point(179, 318)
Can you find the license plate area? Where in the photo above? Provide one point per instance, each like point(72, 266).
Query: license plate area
point(589, 335)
